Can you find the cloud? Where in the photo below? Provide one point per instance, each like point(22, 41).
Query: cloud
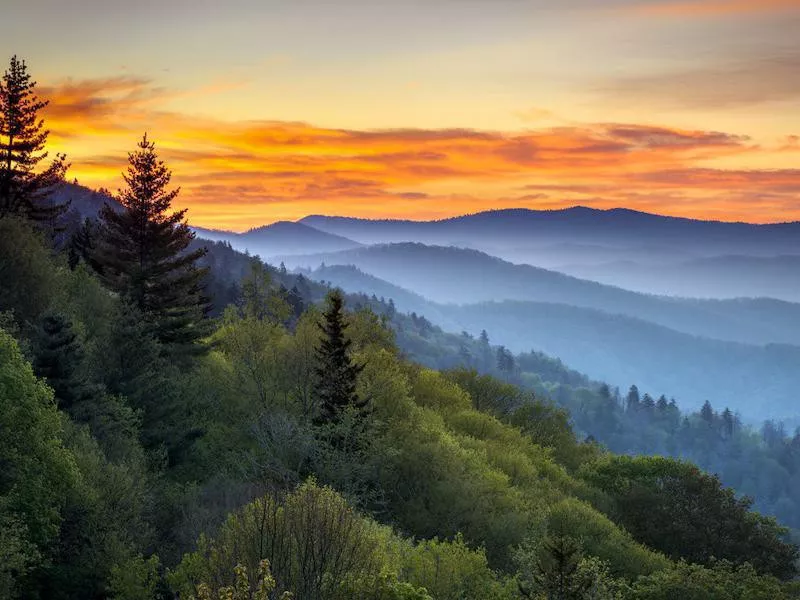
point(237, 174)
point(749, 80)
point(711, 8)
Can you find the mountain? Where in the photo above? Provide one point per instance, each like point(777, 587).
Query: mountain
point(282, 237)
point(524, 232)
point(350, 279)
point(711, 277)
point(460, 276)
point(84, 202)
point(286, 237)
point(758, 381)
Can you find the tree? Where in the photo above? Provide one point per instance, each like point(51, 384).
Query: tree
point(311, 537)
point(555, 570)
point(707, 413)
point(673, 507)
point(335, 388)
point(632, 401)
point(24, 191)
point(505, 360)
point(260, 299)
point(36, 471)
point(80, 247)
point(59, 359)
point(25, 263)
point(142, 253)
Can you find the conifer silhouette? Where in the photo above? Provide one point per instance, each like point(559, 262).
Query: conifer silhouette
point(24, 191)
point(335, 387)
point(142, 253)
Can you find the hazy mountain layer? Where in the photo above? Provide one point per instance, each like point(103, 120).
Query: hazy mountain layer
point(711, 277)
point(454, 275)
point(759, 381)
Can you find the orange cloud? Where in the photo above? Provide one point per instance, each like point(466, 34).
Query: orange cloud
point(716, 7)
point(237, 174)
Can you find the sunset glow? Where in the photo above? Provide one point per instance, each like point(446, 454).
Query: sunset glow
point(456, 107)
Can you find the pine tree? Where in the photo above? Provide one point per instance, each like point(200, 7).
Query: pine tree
point(632, 401)
point(142, 253)
point(295, 301)
point(59, 359)
point(24, 191)
point(80, 247)
point(707, 413)
point(336, 373)
point(556, 574)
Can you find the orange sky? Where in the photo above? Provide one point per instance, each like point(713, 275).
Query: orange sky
point(681, 108)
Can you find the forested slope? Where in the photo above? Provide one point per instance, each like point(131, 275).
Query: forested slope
point(153, 454)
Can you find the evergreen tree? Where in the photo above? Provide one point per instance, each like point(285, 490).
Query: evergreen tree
point(556, 573)
point(632, 401)
point(295, 301)
point(648, 404)
point(707, 413)
point(142, 253)
point(24, 191)
point(336, 373)
point(59, 359)
point(81, 244)
point(728, 423)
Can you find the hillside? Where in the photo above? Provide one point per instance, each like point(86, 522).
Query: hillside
point(455, 275)
point(759, 381)
point(711, 277)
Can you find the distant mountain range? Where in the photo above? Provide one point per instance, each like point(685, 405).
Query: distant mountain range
point(518, 233)
point(711, 277)
point(760, 381)
point(459, 276)
point(744, 352)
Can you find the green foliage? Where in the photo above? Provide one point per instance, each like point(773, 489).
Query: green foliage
point(60, 360)
point(601, 537)
point(135, 579)
point(722, 581)
point(385, 586)
point(36, 471)
point(336, 373)
point(452, 571)
point(676, 508)
point(241, 588)
point(554, 572)
point(260, 300)
point(28, 279)
point(312, 539)
point(101, 521)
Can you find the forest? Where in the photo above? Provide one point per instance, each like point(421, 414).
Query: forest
point(181, 420)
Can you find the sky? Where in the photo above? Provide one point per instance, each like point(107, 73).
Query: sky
point(271, 110)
